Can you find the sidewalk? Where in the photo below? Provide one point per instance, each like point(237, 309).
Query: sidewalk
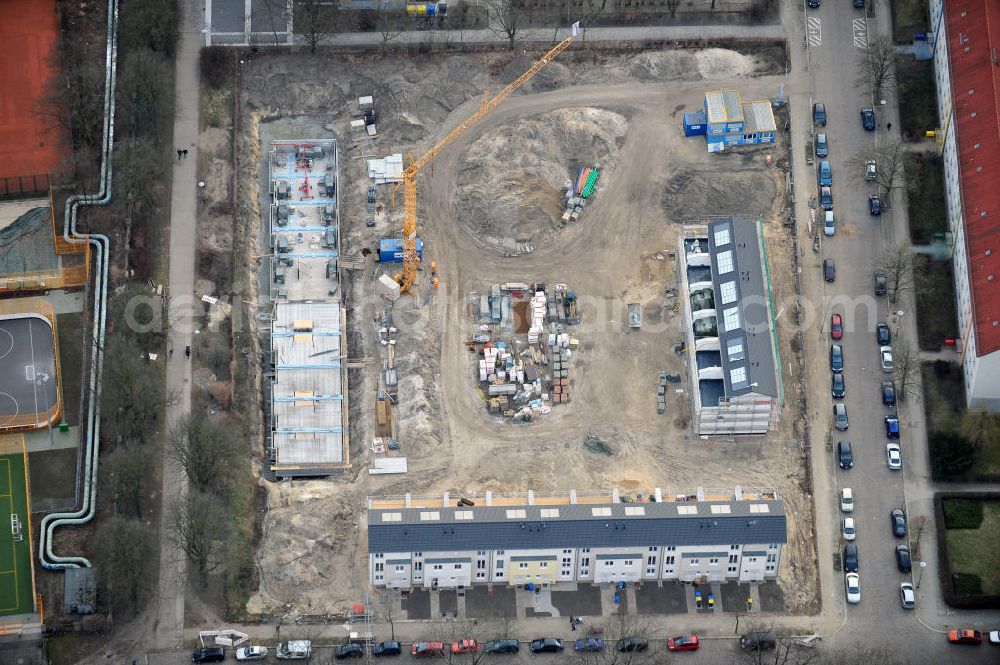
point(183, 211)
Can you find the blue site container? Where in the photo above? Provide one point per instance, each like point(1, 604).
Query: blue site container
point(695, 123)
point(390, 250)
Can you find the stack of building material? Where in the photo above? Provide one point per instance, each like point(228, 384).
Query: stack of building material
point(386, 169)
point(559, 352)
point(661, 394)
point(538, 311)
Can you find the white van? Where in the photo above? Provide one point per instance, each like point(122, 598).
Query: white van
point(294, 650)
point(829, 227)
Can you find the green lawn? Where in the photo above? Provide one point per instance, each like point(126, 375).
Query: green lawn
point(973, 551)
point(16, 591)
point(917, 97)
point(53, 473)
point(70, 334)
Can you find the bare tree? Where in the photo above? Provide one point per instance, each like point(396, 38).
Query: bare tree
point(133, 394)
point(125, 478)
point(980, 427)
point(592, 11)
point(899, 268)
point(786, 651)
point(629, 627)
point(314, 20)
point(275, 13)
point(197, 527)
point(876, 66)
point(905, 370)
point(206, 450)
point(888, 158)
point(387, 23)
point(505, 18)
point(672, 6)
point(123, 547)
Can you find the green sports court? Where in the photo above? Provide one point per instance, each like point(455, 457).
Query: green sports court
point(16, 586)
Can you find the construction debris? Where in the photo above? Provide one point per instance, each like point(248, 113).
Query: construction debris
point(577, 191)
point(594, 444)
point(386, 169)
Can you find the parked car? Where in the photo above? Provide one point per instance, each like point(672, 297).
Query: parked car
point(838, 388)
point(891, 427)
point(546, 645)
point(591, 644)
point(631, 644)
point(822, 147)
point(465, 646)
point(251, 653)
point(870, 170)
point(897, 519)
point(995, 637)
point(427, 650)
point(889, 393)
point(874, 205)
point(882, 335)
point(851, 557)
point(826, 198)
point(758, 641)
point(825, 173)
point(501, 647)
point(907, 599)
point(382, 649)
point(903, 561)
point(683, 643)
point(294, 650)
point(836, 326)
point(852, 581)
point(885, 358)
point(965, 636)
point(208, 655)
point(845, 458)
point(829, 226)
point(847, 500)
point(836, 358)
point(859, 4)
point(349, 650)
point(813, 4)
point(849, 531)
point(880, 283)
point(868, 118)
point(840, 417)
point(819, 114)
point(893, 456)
point(829, 270)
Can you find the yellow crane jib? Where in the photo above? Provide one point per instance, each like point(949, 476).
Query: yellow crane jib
point(410, 258)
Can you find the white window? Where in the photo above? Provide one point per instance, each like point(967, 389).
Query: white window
point(585, 561)
point(480, 575)
point(672, 548)
point(628, 563)
point(567, 551)
point(567, 573)
point(458, 566)
point(713, 562)
point(608, 563)
point(379, 578)
point(400, 569)
point(653, 549)
point(418, 565)
point(518, 514)
point(687, 510)
point(759, 508)
point(717, 509)
point(392, 517)
point(379, 567)
point(635, 510)
point(430, 516)
point(728, 292)
point(499, 565)
point(732, 569)
point(650, 571)
point(601, 512)
point(522, 565)
point(722, 237)
point(586, 550)
point(438, 566)
point(724, 261)
point(543, 564)
point(731, 318)
point(651, 561)
point(734, 348)
point(567, 562)
point(693, 562)
point(670, 560)
point(738, 376)
point(499, 574)
point(463, 514)
point(549, 513)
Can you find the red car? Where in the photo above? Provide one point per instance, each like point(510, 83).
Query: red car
point(965, 636)
point(465, 646)
point(427, 649)
point(836, 327)
point(683, 643)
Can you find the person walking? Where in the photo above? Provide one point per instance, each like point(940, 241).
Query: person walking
point(179, 153)
point(888, 127)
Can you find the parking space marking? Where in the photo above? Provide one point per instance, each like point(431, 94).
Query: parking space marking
point(861, 32)
point(814, 31)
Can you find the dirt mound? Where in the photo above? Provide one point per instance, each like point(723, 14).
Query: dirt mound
point(510, 186)
point(663, 65)
point(720, 63)
point(696, 195)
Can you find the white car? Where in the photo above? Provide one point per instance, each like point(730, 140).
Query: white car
point(885, 357)
point(847, 500)
point(853, 584)
point(251, 653)
point(829, 226)
point(995, 637)
point(870, 171)
point(907, 599)
point(850, 533)
point(893, 456)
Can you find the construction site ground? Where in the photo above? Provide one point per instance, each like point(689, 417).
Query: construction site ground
point(622, 110)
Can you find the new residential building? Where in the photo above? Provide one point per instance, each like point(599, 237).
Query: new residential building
point(443, 543)
point(966, 37)
point(727, 320)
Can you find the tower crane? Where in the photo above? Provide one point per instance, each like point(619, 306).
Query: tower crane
point(410, 257)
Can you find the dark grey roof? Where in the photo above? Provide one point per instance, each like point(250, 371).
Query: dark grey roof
point(742, 276)
point(576, 526)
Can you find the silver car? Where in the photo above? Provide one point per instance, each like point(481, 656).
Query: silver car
point(907, 599)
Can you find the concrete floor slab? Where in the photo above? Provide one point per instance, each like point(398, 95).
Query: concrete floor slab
point(585, 601)
point(667, 599)
point(480, 602)
point(417, 605)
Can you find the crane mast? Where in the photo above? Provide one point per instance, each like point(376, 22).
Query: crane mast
point(410, 258)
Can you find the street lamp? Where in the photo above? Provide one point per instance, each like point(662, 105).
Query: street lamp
point(920, 573)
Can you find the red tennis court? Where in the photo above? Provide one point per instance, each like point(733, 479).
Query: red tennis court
point(30, 142)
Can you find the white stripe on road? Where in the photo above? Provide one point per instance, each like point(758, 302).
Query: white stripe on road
point(861, 33)
point(814, 31)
